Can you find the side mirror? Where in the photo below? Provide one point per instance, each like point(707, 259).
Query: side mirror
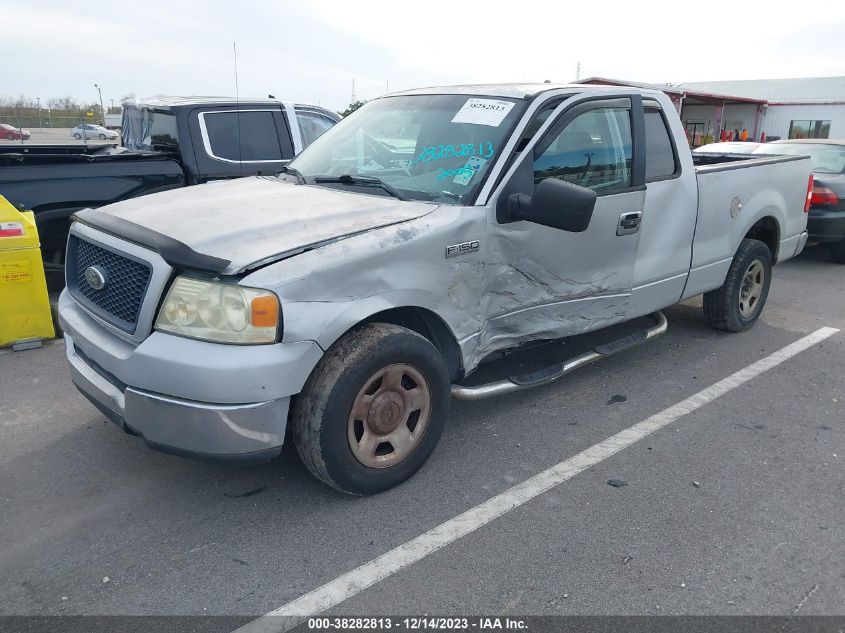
point(555, 203)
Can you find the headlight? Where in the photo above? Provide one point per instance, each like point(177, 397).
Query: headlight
point(225, 313)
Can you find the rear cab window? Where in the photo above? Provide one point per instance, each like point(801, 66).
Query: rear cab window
point(241, 136)
point(661, 161)
point(147, 129)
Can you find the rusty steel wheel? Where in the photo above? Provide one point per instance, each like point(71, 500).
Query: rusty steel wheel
point(373, 409)
point(389, 416)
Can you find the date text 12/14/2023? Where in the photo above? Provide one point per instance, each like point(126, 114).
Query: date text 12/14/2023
point(417, 623)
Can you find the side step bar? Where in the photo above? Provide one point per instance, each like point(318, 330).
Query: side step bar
point(558, 370)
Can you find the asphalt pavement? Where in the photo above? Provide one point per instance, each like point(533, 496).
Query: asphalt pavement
point(736, 508)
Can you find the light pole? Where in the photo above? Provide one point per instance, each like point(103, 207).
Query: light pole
point(102, 110)
point(38, 99)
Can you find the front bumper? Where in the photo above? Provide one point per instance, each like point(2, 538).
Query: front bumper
point(184, 396)
point(826, 226)
point(247, 432)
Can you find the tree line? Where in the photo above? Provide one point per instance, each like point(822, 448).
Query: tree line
point(23, 110)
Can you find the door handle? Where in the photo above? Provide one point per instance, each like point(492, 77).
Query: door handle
point(629, 223)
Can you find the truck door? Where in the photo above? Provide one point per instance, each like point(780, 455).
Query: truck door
point(542, 282)
point(669, 215)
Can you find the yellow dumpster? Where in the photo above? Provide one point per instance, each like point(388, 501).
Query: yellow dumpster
point(25, 316)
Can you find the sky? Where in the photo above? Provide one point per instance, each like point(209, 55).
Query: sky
point(311, 51)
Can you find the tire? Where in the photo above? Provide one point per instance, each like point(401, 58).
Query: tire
point(837, 252)
point(77, 136)
point(10, 137)
point(737, 305)
point(102, 137)
point(334, 444)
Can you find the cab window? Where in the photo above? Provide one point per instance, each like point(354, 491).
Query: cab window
point(312, 125)
point(659, 156)
point(594, 150)
point(248, 135)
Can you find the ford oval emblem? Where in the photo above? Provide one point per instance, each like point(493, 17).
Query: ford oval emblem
point(95, 277)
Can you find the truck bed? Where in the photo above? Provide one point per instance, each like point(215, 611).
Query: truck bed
point(733, 189)
point(54, 181)
point(70, 154)
point(702, 159)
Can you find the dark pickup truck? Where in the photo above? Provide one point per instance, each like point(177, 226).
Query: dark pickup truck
point(167, 142)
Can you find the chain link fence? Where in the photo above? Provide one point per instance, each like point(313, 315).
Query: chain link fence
point(46, 121)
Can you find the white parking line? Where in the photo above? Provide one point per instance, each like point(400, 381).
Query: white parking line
point(355, 581)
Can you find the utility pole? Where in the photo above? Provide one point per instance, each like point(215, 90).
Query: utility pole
point(354, 98)
point(102, 109)
point(38, 99)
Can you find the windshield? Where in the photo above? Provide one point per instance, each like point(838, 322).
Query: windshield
point(425, 147)
point(826, 159)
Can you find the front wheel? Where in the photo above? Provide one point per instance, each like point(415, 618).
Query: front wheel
point(737, 305)
point(102, 137)
point(10, 137)
point(373, 409)
point(77, 136)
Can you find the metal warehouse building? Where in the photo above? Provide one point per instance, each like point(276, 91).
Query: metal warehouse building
point(810, 107)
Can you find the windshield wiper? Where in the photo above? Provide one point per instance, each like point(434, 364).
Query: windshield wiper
point(293, 171)
point(349, 179)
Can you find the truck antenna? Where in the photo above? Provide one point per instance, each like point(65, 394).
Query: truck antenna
point(238, 109)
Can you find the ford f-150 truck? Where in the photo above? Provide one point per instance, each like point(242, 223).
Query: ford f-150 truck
point(168, 142)
point(350, 296)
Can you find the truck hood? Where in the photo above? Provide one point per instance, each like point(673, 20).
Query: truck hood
point(253, 221)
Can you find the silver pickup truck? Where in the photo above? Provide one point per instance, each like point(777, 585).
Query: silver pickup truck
point(351, 295)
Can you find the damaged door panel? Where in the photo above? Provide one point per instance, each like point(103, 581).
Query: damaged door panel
point(543, 282)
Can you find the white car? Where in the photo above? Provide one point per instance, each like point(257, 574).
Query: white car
point(89, 130)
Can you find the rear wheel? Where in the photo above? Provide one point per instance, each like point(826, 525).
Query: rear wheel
point(837, 252)
point(373, 410)
point(737, 305)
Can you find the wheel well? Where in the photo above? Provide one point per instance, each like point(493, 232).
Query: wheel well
point(767, 231)
point(431, 326)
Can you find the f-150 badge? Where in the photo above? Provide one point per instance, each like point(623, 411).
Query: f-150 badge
point(461, 249)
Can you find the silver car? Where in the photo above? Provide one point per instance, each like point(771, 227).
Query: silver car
point(89, 130)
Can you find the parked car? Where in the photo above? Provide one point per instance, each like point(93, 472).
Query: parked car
point(89, 130)
point(11, 133)
point(350, 295)
point(826, 222)
point(169, 143)
point(727, 147)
